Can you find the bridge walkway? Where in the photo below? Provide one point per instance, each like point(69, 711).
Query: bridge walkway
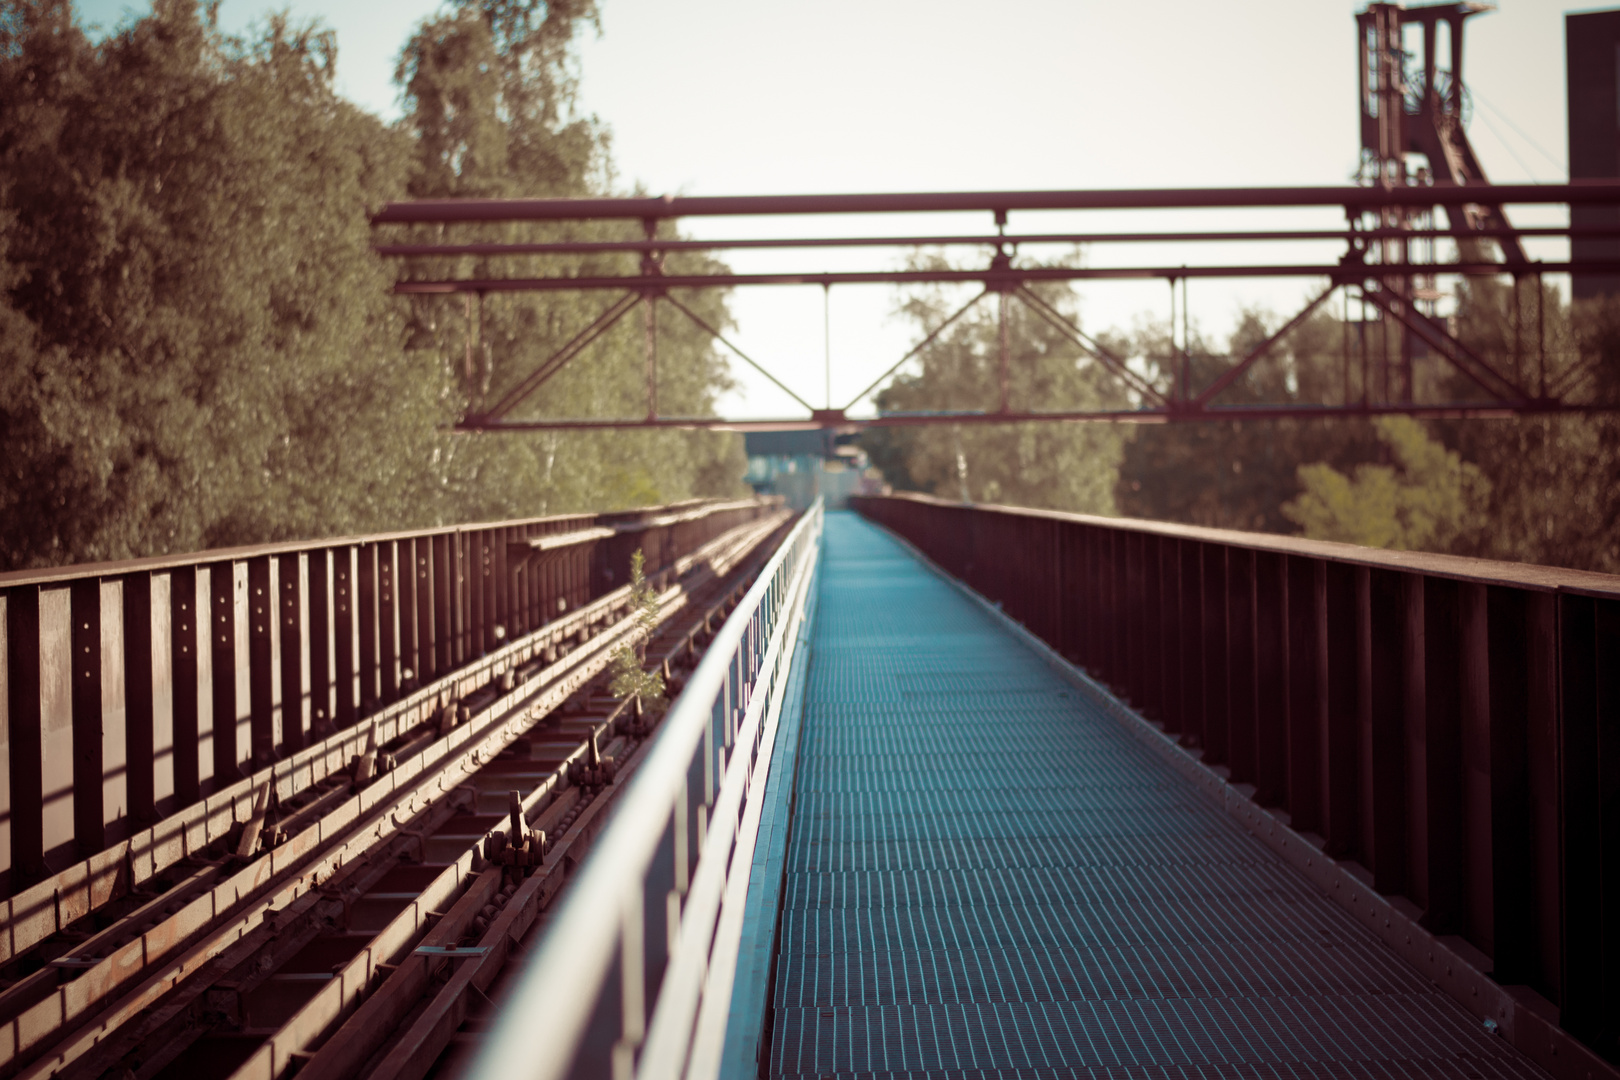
point(988, 876)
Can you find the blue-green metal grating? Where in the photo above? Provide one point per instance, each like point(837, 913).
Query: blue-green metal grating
point(989, 878)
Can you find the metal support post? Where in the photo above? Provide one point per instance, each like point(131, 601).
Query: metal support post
point(467, 362)
point(650, 322)
point(1518, 332)
point(826, 341)
point(1006, 349)
point(1344, 343)
point(1178, 390)
point(1541, 337)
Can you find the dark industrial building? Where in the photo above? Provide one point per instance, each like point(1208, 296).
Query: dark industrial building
point(1592, 39)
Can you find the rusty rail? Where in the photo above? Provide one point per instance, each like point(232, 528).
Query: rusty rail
point(150, 1002)
point(1447, 730)
point(130, 691)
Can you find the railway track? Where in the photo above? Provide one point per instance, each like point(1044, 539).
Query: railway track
point(371, 893)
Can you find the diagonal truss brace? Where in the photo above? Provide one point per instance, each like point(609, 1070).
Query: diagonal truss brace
point(915, 349)
point(1260, 351)
point(559, 359)
point(702, 324)
point(1091, 346)
point(1455, 352)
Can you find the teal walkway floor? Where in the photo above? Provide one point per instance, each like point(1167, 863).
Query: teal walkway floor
point(988, 876)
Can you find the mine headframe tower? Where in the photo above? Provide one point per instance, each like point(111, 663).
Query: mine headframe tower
point(1414, 102)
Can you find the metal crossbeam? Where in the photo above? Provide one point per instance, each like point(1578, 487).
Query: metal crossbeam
point(1370, 264)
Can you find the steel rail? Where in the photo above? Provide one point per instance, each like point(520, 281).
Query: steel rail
point(660, 867)
point(72, 571)
point(545, 812)
point(588, 247)
point(415, 1044)
point(685, 1027)
point(58, 901)
point(653, 208)
point(290, 871)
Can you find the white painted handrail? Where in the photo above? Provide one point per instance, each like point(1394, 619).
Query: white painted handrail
point(633, 976)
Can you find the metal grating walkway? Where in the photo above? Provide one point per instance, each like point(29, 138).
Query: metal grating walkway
point(988, 878)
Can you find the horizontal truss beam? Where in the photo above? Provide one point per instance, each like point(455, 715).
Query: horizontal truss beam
point(834, 420)
point(998, 280)
point(1356, 199)
point(588, 247)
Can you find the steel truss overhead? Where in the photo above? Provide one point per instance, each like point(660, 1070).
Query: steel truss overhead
point(1377, 267)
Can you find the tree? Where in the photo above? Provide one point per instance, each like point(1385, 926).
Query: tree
point(1425, 502)
point(197, 345)
point(210, 354)
point(490, 102)
point(1236, 474)
point(1555, 496)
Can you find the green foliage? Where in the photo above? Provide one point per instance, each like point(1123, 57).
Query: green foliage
point(489, 100)
point(1556, 479)
point(1428, 499)
point(1063, 467)
point(1237, 474)
point(197, 346)
point(201, 349)
point(1553, 495)
point(629, 678)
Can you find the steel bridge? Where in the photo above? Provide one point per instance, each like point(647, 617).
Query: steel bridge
point(943, 790)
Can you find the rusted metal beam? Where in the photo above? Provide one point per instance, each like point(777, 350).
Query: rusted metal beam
point(927, 340)
point(443, 211)
point(1010, 278)
point(1259, 352)
point(1178, 413)
point(557, 360)
point(1446, 344)
point(712, 332)
point(1091, 345)
point(590, 247)
point(1371, 255)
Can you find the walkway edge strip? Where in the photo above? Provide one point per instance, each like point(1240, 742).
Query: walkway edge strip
point(747, 1039)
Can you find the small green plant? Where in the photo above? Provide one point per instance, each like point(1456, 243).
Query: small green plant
point(630, 680)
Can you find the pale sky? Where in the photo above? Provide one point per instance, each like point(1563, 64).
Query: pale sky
point(723, 97)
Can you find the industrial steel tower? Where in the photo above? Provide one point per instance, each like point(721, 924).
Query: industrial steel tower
point(1413, 106)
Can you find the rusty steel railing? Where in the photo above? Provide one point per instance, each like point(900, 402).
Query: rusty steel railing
point(1446, 729)
point(634, 974)
point(131, 690)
